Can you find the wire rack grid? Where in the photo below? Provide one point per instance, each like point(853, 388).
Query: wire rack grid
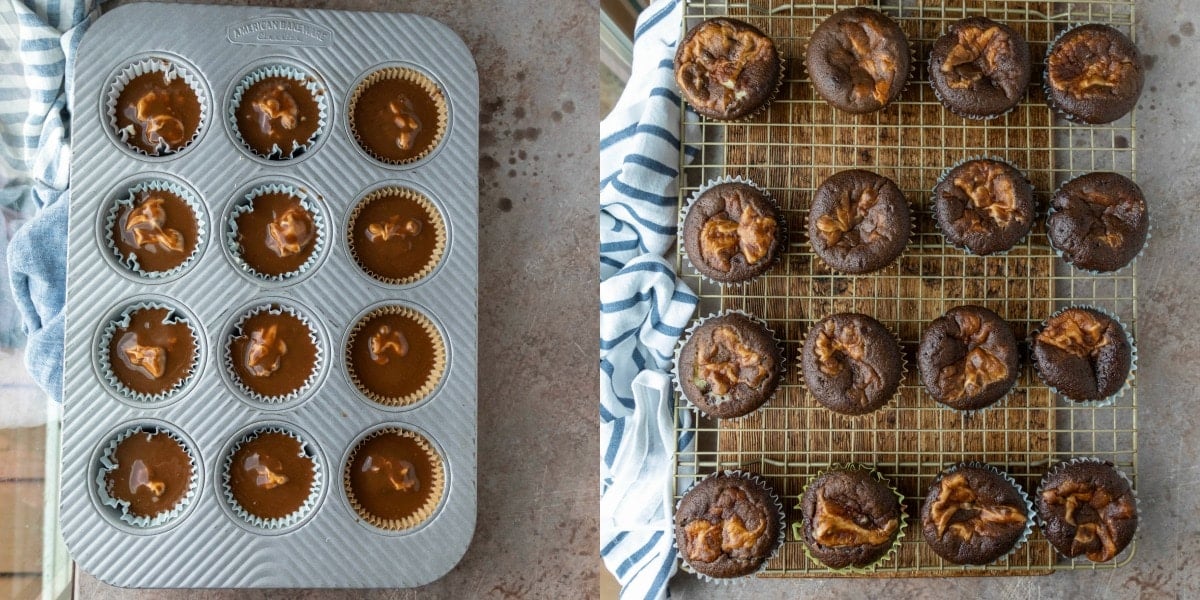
point(796, 144)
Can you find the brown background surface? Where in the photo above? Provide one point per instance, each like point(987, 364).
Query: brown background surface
point(538, 424)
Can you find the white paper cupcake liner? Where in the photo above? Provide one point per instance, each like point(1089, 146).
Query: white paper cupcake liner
point(246, 205)
point(301, 513)
point(938, 224)
point(798, 527)
point(287, 72)
point(108, 463)
point(1137, 505)
point(160, 185)
point(854, 418)
point(781, 534)
point(273, 309)
point(123, 320)
point(912, 232)
point(781, 228)
point(1030, 513)
point(1133, 355)
point(687, 335)
point(1058, 252)
point(170, 70)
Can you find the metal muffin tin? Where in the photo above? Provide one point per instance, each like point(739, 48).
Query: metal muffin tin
point(207, 546)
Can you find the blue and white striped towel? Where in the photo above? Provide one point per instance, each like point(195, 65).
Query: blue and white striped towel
point(644, 308)
point(36, 74)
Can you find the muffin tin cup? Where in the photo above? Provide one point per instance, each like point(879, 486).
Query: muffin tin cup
point(1059, 253)
point(160, 185)
point(687, 335)
point(782, 533)
point(781, 231)
point(1137, 505)
point(854, 418)
point(798, 526)
point(426, 511)
point(170, 68)
point(123, 319)
point(273, 308)
point(414, 76)
point(440, 358)
point(1030, 513)
point(1133, 356)
point(286, 71)
point(245, 205)
point(912, 233)
point(439, 223)
point(108, 463)
point(300, 514)
point(937, 222)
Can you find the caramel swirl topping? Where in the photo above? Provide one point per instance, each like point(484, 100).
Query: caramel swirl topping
point(400, 474)
point(153, 113)
point(868, 53)
point(983, 517)
point(980, 368)
point(840, 347)
point(387, 341)
point(290, 232)
point(266, 471)
point(394, 228)
point(141, 477)
point(976, 56)
point(276, 105)
point(1078, 332)
point(1089, 66)
point(991, 191)
point(151, 360)
point(265, 352)
point(722, 531)
point(838, 526)
point(752, 234)
point(1094, 512)
point(723, 361)
point(853, 221)
point(713, 61)
point(146, 223)
point(405, 120)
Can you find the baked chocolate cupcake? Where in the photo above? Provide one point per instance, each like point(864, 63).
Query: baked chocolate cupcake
point(1087, 507)
point(394, 479)
point(271, 477)
point(852, 364)
point(851, 518)
point(1094, 74)
point(1099, 221)
point(984, 205)
point(273, 353)
point(732, 232)
point(149, 475)
point(728, 525)
point(859, 222)
point(727, 69)
point(859, 60)
point(149, 352)
point(968, 358)
point(1083, 354)
point(973, 515)
point(979, 68)
point(729, 366)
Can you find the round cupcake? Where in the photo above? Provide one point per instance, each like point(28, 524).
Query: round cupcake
point(859, 60)
point(728, 525)
point(149, 352)
point(732, 232)
point(1094, 74)
point(278, 111)
point(852, 364)
point(1083, 354)
point(149, 474)
point(979, 68)
point(394, 479)
point(398, 115)
point(273, 353)
point(968, 358)
point(396, 235)
point(271, 478)
point(156, 107)
point(973, 515)
point(276, 232)
point(729, 366)
point(727, 69)
point(859, 222)
point(1087, 507)
point(155, 230)
point(852, 518)
point(984, 205)
point(395, 355)
point(1099, 221)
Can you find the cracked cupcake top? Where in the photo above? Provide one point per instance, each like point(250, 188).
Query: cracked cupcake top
point(726, 68)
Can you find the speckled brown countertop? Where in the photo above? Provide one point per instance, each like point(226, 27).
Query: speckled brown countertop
point(1169, 354)
point(538, 425)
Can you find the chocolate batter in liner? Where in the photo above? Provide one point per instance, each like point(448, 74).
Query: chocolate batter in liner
point(174, 229)
point(397, 235)
point(394, 479)
point(156, 107)
point(301, 239)
point(292, 104)
point(149, 474)
point(273, 354)
point(279, 480)
point(397, 115)
point(150, 352)
point(395, 355)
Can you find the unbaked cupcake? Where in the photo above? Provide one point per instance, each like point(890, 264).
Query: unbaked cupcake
point(398, 115)
point(394, 479)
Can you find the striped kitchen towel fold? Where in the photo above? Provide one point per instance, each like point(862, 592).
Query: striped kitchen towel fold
point(644, 308)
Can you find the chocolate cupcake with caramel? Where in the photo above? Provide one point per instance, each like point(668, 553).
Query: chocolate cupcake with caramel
point(979, 69)
point(729, 365)
point(968, 358)
point(1087, 508)
point(859, 222)
point(984, 205)
point(975, 515)
point(859, 60)
point(852, 364)
point(853, 518)
point(1099, 222)
point(729, 525)
point(733, 231)
point(1084, 354)
point(1094, 74)
point(727, 69)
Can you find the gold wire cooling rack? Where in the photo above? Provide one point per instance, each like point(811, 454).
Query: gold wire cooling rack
point(797, 144)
